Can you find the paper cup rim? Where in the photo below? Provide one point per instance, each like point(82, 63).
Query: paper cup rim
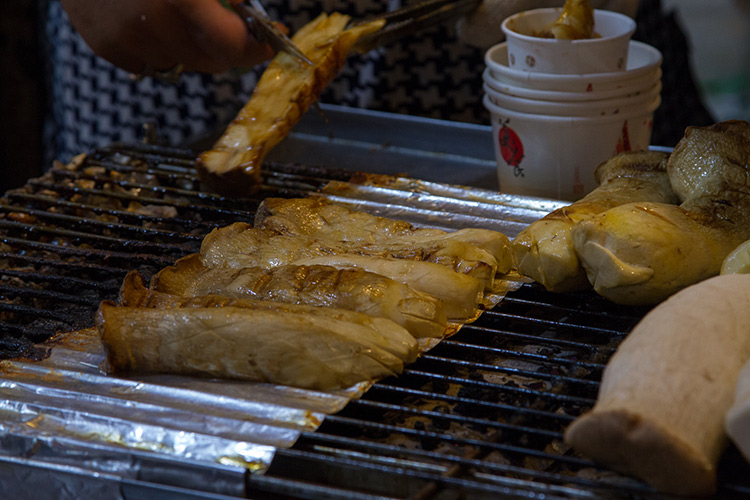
point(507, 113)
point(562, 107)
point(628, 27)
point(653, 60)
point(641, 84)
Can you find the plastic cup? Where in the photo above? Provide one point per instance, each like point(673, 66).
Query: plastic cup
point(608, 52)
point(555, 156)
point(643, 61)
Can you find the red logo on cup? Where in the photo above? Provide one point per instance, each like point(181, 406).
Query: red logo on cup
point(511, 148)
point(623, 143)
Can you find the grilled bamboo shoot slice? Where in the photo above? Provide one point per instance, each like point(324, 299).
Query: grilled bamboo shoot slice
point(459, 293)
point(284, 92)
point(354, 289)
point(544, 249)
point(318, 217)
point(382, 332)
point(664, 395)
point(240, 245)
point(302, 346)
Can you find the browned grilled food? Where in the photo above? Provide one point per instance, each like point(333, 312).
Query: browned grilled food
point(576, 22)
point(239, 246)
point(284, 92)
point(544, 249)
point(641, 253)
point(321, 218)
point(353, 289)
point(215, 336)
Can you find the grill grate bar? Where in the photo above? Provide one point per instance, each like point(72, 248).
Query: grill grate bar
point(295, 489)
point(448, 439)
point(550, 377)
point(156, 190)
point(50, 295)
point(536, 338)
point(422, 459)
point(527, 356)
point(35, 312)
point(86, 221)
point(49, 202)
point(146, 246)
point(462, 419)
point(68, 272)
point(404, 393)
point(185, 205)
point(320, 448)
point(69, 282)
point(501, 388)
point(563, 307)
point(554, 323)
point(85, 252)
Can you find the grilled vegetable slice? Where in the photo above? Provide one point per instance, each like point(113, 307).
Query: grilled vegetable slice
point(738, 260)
point(302, 346)
point(544, 249)
point(354, 289)
point(640, 253)
point(319, 217)
point(250, 247)
point(576, 22)
point(459, 293)
point(284, 92)
point(240, 246)
point(664, 395)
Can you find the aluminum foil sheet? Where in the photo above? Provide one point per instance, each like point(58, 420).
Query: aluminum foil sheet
point(66, 425)
point(62, 412)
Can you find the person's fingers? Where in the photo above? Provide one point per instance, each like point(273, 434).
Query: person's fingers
point(147, 35)
point(221, 35)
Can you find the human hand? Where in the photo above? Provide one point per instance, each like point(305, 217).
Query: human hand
point(157, 35)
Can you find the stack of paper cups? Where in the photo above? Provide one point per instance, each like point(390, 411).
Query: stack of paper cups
point(552, 128)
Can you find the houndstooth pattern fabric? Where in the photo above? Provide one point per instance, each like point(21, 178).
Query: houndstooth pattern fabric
point(95, 104)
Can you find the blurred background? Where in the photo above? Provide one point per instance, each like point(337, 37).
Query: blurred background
point(717, 51)
point(719, 35)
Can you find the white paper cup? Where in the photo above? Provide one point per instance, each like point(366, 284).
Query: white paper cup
point(629, 88)
point(555, 156)
point(643, 62)
point(602, 107)
point(605, 53)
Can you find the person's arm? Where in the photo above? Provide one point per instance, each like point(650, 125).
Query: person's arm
point(143, 35)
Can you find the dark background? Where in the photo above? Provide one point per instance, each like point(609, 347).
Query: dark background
point(21, 93)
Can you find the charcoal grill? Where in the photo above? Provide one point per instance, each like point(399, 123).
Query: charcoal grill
point(479, 416)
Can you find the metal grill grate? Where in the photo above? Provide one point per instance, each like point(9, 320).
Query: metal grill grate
point(479, 416)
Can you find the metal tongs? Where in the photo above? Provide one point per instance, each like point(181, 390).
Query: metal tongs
point(412, 18)
point(259, 23)
point(398, 23)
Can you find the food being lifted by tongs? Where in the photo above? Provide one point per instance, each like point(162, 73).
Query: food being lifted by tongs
point(576, 22)
point(259, 23)
point(292, 82)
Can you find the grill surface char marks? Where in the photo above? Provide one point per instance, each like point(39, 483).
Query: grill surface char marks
point(480, 415)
